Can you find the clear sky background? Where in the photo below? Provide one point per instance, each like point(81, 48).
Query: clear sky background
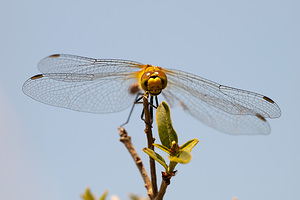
point(53, 153)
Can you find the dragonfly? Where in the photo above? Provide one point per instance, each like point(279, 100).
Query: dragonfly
point(110, 85)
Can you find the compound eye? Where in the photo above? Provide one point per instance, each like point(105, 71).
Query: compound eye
point(162, 77)
point(144, 80)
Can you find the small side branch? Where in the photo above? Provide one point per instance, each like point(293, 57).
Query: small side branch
point(126, 140)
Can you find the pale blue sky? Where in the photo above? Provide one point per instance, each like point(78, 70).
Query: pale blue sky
point(53, 153)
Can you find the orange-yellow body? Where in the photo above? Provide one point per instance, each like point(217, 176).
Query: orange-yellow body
point(152, 79)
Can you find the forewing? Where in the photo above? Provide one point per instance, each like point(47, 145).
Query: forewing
point(84, 84)
point(63, 63)
point(227, 109)
point(231, 100)
point(217, 118)
point(93, 93)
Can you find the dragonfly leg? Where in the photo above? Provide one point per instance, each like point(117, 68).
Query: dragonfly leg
point(137, 100)
point(151, 109)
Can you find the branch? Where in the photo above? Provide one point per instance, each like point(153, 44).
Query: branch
point(150, 139)
point(126, 140)
point(162, 190)
point(166, 180)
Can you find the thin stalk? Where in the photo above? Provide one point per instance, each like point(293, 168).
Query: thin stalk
point(150, 140)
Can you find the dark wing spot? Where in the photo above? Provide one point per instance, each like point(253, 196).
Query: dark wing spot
point(54, 55)
point(261, 117)
point(268, 99)
point(37, 76)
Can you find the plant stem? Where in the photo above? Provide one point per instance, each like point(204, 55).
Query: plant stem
point(162, 190)
point(166, 177)
point(148, 131)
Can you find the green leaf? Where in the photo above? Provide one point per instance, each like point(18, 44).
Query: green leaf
point(166, 131)
point(103, 196)
point(136, 197)
point(189, 145)
point(162, 147)
point(88, 195)
point(156, 157)
point(183, 157)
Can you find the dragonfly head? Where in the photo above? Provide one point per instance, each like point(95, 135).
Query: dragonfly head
point(154, 81)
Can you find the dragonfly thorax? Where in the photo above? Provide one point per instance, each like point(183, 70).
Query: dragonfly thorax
point(154, 81)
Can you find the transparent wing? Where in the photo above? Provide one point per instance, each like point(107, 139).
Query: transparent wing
point(90, 94)
point(84, 84)
point(63, 63)
point(225, 108)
